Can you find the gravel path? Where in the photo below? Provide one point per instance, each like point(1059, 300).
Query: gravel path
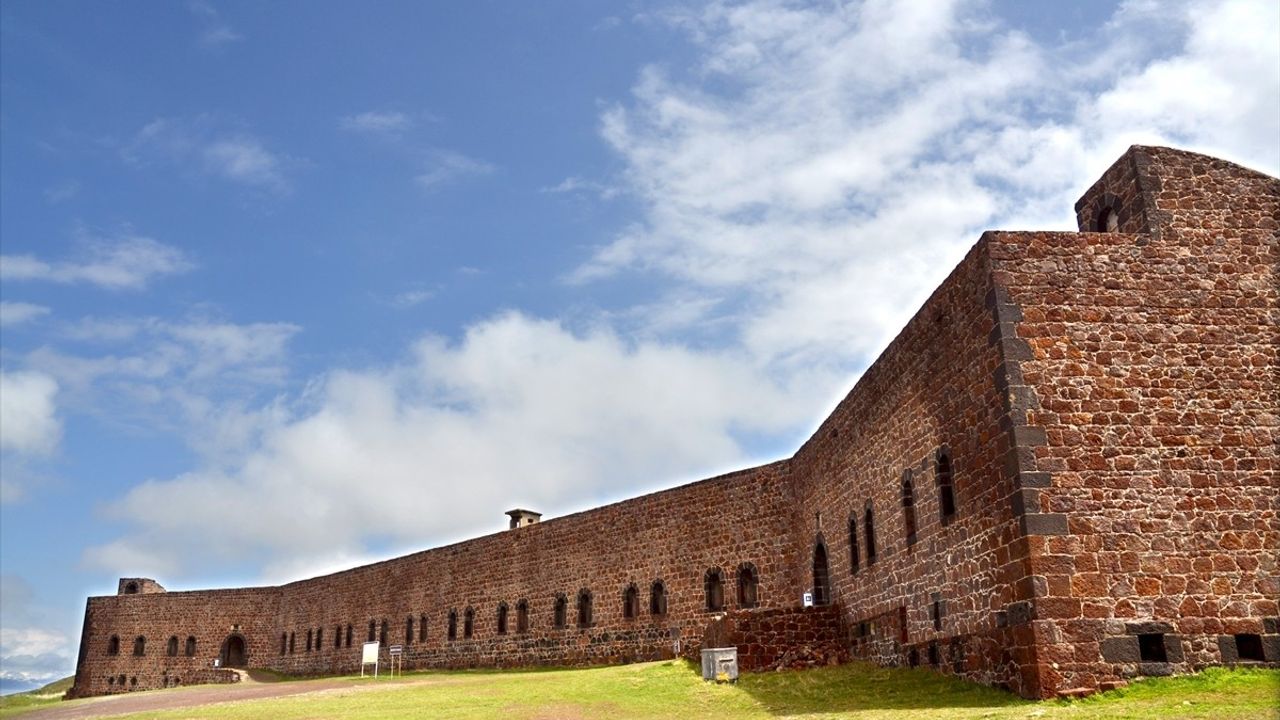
point(191, 696)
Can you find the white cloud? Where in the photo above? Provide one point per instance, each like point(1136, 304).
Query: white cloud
point(376, 122)
point(28, 414)
point(128, 262)
point(412, 298)
point(244, 160)
point(16, 313)
point(202, 145)
point(828, 165)
point(445, 167)
point(61, 192)
point(520, 412)
point(214, 31)
point(803, 187)
point(32, 652)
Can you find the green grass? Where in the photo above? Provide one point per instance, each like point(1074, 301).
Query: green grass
point(47, 695)
point(674, 690)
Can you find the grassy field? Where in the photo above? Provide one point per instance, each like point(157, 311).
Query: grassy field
point(40, 697)
point(674, 690)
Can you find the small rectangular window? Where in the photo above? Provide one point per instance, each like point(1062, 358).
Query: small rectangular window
point(1249, 647)
point(1151, 648)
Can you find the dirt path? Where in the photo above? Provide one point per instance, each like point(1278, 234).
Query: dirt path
point(247, 689)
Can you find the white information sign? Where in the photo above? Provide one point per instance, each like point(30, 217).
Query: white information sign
point(369, 656)
point(808, 599)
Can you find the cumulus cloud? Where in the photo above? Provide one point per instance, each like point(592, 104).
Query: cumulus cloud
point(28, 413)
point(825, 166)
point(445, 167)
point(17, 313)
point(520, 412)
point(201, 145)
point(803, 187)
point(32, 651)
point(128, 262)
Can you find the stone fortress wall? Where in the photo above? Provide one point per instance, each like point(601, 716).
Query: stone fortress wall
point(1061, 474)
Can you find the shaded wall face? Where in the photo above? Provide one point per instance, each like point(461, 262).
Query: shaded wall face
point(208, 618)
point(1154, 360)
point(934, 390)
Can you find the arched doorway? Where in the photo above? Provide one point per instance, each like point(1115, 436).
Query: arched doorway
point(821, 575)
point(234, 654)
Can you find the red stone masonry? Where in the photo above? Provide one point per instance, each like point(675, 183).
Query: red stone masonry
point(1104, 404)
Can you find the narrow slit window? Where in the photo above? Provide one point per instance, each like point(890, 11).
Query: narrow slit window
point(869, 531)
point(854, 559)
point(560, 613)
point(502, 619)
point(522, 616)
point(713, 589)
point(909, 508)
point(748, 586)
point(658, 598)
point(946, 488)
point(584, 608)
point(468, 624)
point(631, 603)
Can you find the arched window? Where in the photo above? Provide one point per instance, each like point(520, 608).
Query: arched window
point(631, 602)
point(502, 618)
point(658, 598)
point(946, 488)
point(113, 645)
point(1108, 220)
point(713, 588)
point(408, 630)
point(139, 646)
point(584, 608)
point(171, 649)
point(191, 646)
point(319, 638)
point(337, 636)
point(131, 588)
point(373, 631)
point(382, 634)
point(292, 639)
point(821, 575)
point(560, 612)
point(284, 643)
point(348, 634)
point(854, 560)
point(748, 585)
point(422, 628)
point(522, 616)
point(468, 623)
point(869, 531)
point(309, 634)
point(909, 508)
point(453, 625)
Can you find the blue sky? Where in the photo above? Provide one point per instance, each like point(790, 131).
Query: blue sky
point(291, 286)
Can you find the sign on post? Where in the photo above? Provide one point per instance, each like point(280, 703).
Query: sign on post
point(397, 658)
point(369, 656)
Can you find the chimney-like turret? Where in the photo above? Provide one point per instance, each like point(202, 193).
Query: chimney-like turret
point(520, 518)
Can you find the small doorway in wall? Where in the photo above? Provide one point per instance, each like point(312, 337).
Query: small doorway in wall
point(234, 654)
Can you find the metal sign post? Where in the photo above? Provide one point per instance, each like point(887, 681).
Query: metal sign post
point(397, 659)
point(369, 656)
